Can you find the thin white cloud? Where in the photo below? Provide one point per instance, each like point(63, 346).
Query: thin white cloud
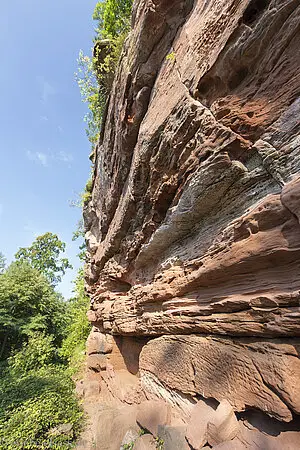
point(64, 157)
point(38, 157)
point(45, 159)
point(60, 129)
point(44, 119)
point(46, 88)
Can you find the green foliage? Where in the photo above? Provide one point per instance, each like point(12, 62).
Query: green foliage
point(28, 303)
point(36, 389)
point(38, 352)
point(89, 185)
point(33, 404)
point(171, 56)
point(95, 74)
point(159, 443)
point(79, 234)
point(42, 341)
point(2, 263)
point(128, 446)
point(44, 255)
point(73, 346)
point(113, 17)
point(90, 94)
point(87, 193)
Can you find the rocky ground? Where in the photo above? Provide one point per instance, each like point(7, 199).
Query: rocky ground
point(126, 409)
point(193, 229)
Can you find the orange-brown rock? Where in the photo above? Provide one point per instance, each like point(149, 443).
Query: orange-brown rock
point(145, 442)
point(151, 414)
point(193, 226)
point(247, 372)
point(223, 425)
point(196, 433)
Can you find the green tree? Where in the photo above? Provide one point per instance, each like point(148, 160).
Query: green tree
point(2, 263)
point(95, 74)
point(113, 17)
point(38, 352)
point(28, 303)
point(44, 255)
point(92, 94)
point(78, 327)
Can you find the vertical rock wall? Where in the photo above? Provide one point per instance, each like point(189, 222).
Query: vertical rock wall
point(193, 226)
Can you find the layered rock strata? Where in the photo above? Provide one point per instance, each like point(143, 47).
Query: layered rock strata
point(193, 229)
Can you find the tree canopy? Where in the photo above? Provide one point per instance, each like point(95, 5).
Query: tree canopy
point(28, 303)
point(113, 17)
point(44, 255)
point(2, 262)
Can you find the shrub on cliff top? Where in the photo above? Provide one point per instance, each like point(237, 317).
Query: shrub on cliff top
point(95, 74)
point(113, 18)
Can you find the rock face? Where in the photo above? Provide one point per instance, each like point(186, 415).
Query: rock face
point(193, 227)
point(248, 372)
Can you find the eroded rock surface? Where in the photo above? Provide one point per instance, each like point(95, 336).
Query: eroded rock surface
point(248, 372)
point(193, 229)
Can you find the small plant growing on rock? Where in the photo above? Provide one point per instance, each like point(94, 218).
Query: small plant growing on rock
point(159, 443)
point(128, 446)
point(87, 193)
point(171, 56)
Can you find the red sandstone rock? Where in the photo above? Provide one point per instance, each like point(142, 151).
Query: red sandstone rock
point(96, 362)
point(193, 223)
point(99, 343)
point(145, 442)
point(112, 426)
point(222, 425)
point(151, 414)
point(197, 427)
point(88, 388)
point(173, 438)
point(191, 230)
point(250, 373)
point(253, 439)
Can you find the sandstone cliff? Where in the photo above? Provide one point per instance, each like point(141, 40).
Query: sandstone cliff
point(193, 226)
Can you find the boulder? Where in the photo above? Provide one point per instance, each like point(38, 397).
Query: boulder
point(258, 440)
point(245, 371)
point(196, 433)
point(88, 388)
point(96, 362)
point(130, 437)
point(99, 342)
point(145, 442)
point(152, 413)
point(222, 425)
point(63, 429)
point(113, 424)
point(173, 438)
point(235, 444)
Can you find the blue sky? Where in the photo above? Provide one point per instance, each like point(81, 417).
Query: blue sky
point(43, 147)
